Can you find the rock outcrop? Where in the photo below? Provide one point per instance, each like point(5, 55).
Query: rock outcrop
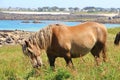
point(8, 37)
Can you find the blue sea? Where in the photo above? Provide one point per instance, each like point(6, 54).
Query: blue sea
point(18, 25)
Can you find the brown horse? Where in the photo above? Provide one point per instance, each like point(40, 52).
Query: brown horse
point(117, 38)
point(67, 42)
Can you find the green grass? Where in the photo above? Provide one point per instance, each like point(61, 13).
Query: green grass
point(15, 66)
point(114, 30)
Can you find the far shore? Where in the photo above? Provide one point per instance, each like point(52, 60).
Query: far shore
point(65, 16)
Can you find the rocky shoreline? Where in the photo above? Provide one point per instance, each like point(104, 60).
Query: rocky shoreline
point(13, 37)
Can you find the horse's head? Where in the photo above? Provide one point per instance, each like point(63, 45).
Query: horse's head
point(117, 39)
point(33, 52)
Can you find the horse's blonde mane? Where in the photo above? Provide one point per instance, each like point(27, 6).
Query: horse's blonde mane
point(42, 38)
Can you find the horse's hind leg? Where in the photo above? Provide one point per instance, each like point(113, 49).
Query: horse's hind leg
point(97, 50)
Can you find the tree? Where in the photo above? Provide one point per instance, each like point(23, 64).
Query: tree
point(71, 9)
point(76, 9)
point(40, 9)
point(55, 8)
point(45, 8)
point(62, 9)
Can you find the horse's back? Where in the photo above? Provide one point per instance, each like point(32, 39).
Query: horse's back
point(82, 33)
point(88, 29)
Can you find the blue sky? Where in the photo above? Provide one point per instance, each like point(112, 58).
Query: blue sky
point(60, 3)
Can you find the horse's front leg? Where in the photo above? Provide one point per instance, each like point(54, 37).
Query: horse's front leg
point(52, 61)
point(68, 60)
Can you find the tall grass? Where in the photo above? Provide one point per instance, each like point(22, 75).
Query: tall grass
point(15, 66)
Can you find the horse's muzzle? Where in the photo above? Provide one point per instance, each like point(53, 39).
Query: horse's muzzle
point(37, 66)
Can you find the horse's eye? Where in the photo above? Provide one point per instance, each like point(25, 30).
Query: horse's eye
point(29, 52)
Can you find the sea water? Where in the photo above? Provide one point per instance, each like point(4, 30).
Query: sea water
point(19, 25)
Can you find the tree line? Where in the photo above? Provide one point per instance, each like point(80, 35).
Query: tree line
point(58, 9)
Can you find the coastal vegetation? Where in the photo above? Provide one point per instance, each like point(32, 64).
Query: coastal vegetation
point(88, 9)
point(15, 66)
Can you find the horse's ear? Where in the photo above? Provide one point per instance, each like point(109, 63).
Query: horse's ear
point(26, 42)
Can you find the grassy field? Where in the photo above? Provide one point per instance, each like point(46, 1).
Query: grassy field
point(15, 66)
